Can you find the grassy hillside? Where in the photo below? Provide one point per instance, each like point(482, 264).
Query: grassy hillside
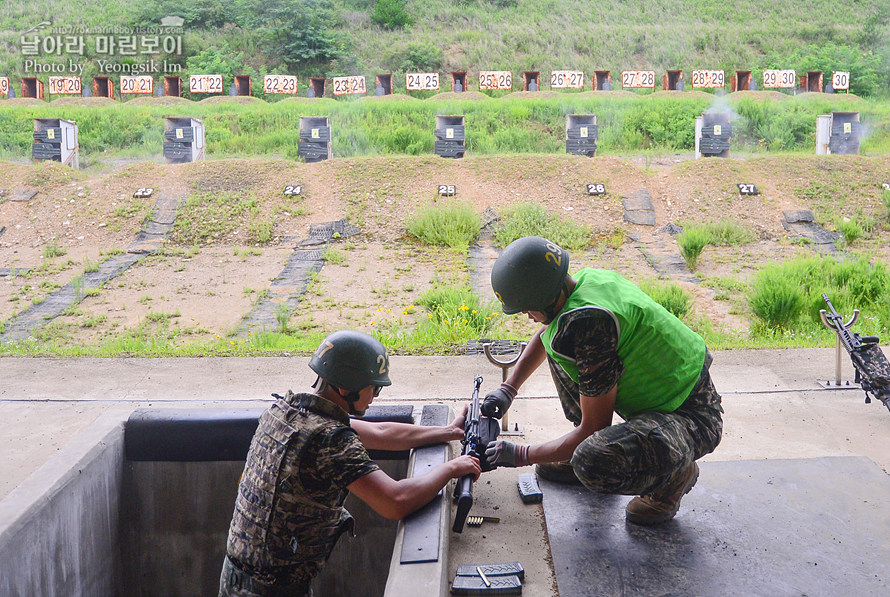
point(331, 37)
point(763, 122)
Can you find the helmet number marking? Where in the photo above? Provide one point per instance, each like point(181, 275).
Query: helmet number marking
point(325, 346)
point(553, 254)
point(381, 360)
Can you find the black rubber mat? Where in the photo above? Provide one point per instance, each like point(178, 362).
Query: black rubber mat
point(802, 223)
point(638, 208)
point(814, 527)
point(284, 294)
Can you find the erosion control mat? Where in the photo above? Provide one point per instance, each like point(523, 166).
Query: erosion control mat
point(767, 527)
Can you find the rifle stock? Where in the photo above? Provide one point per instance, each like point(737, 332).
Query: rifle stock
point(479, 430)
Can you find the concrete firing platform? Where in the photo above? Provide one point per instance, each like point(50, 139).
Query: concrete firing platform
point(775, 410)
point(814, 527)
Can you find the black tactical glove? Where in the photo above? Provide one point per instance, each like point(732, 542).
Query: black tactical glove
point(498, 401)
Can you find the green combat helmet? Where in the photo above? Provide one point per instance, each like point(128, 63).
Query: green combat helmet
point(529, 275)
point(351, 360)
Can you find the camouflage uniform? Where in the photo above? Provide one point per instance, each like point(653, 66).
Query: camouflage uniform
point(634, 457)
point(289, 508)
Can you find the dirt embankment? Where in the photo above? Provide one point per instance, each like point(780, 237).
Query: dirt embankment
point(209, 277)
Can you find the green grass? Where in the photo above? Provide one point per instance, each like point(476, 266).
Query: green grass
point(696, 236)
point(368, 128)
point(453, 225)
point(531, 219)
point(669, 295)
point(788, 296)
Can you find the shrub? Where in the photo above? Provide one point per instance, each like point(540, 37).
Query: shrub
point(692, 242)
point(850, 230)
point(453, 225)
point(777, 299)
point(391, 14)
point(669, 295)
point(695, 237)
point(459, 308)
point(782, 292)
point(530, 219)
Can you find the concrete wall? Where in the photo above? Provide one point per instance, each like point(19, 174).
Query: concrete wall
point(91, 523)
point(59, 529)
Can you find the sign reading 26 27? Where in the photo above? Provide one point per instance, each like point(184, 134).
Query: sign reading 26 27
point(567, 79)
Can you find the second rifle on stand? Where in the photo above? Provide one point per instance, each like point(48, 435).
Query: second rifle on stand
point(505, 366)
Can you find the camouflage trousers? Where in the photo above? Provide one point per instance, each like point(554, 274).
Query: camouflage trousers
point(638, 455)
point(233, 582)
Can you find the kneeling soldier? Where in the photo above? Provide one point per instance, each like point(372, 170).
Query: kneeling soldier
point(610, 349)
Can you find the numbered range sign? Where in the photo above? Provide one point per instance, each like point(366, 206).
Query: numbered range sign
point(708, 79)
point(566, 79)
point(65, 86)
point(747, 189)
point(143, 193)
point(422, 81)
point(349, 85)
point(205, 83)
point(447, 190)
point(495, 79)
point(596, 189)
point(640, 79)
point(292, 190)
point(4, 85)
point(137, 84)
point(784, 79)
point(280, 84)
point(840, 81)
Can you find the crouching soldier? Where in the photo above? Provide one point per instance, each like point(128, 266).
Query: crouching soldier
point(610, 348)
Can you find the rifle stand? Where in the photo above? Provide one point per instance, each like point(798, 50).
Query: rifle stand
point(506, 429)
point(838, 383)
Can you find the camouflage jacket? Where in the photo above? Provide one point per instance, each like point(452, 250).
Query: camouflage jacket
point(289, 508)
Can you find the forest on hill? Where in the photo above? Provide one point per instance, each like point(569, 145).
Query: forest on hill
point(367, 37)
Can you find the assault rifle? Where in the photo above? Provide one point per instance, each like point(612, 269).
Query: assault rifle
point(872, 367)
point(479, 430)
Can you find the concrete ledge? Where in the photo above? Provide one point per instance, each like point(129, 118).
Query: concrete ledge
point(63, 519)
point(426, 577)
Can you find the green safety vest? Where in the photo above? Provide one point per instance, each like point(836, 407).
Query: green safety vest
point(662, 357)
